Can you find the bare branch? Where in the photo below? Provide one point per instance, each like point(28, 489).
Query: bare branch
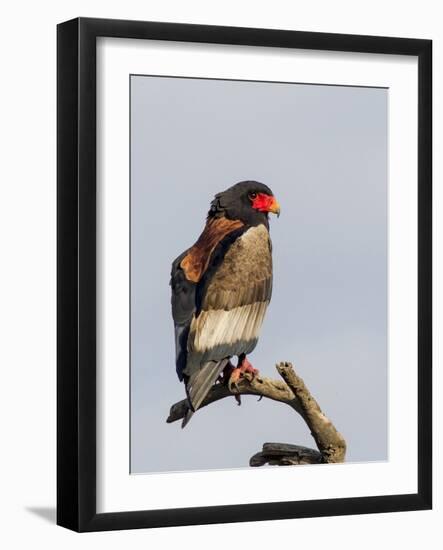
point(330, 442)
point(276, 390)
point(294, 393)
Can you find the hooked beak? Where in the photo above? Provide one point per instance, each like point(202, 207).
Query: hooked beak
point(274, 207)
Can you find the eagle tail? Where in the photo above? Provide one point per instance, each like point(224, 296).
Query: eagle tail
point(199, 384)
point(187, 417)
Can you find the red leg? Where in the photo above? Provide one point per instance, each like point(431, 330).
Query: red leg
point(244, 366)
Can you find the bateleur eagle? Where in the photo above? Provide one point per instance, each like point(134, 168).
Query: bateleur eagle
point(221, 287)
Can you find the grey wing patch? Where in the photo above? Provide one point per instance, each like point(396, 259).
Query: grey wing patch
point(219, 333)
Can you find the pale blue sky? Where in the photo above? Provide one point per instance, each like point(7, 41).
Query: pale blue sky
point(323, 151)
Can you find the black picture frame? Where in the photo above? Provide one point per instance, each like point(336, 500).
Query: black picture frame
point(76, 279)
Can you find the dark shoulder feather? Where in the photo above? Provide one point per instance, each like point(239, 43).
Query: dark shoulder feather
point(191, 272)
point(183, 307)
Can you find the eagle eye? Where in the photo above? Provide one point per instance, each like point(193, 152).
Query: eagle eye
point(252, 195)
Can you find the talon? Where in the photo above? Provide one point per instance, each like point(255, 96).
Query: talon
point(234, 378)
point(238, 399)
point(243, 369)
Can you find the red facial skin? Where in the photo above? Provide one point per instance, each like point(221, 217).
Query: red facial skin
point(265, 203)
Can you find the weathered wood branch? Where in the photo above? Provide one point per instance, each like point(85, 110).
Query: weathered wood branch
point(330, 442)
point(276, 390)
point(292, 391)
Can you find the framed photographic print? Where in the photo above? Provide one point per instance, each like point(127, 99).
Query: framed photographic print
point(244, 274)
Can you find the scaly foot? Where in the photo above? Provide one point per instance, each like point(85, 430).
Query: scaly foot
point(244, 366)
